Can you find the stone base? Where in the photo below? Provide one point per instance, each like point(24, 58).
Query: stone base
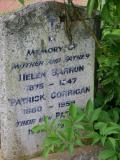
point(84, 153)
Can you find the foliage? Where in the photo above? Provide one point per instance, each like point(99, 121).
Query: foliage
point(89, 123)
point(59, 138)
point(108, 53)
point(109, 70)
point(109, 11)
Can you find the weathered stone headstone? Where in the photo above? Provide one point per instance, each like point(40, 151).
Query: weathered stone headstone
point(41, 73)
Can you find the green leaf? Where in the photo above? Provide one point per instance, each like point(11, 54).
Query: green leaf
point(73, 111)
point(106, 154)
point(107, 81)
point(61, 148)
point(115, 34)
point(95, 136)
point(96, 114)
point(115, 115)
point(66, 122)
point(118, 8)
point(109, 96)
point(111, 130)
point(62, 136)
point(106, 14)
point(53, 123)
point(70, 133)
point(52, 140)
point(22, 1)
point(90, 7)
point(113, 142)
point(103, 139)
point(80, 117)
point(89, 106)
point(96, 4)
point(115, 158)
point(38, 128)
point(89, 109)
point(46, 119)
point(104, 117)
point(119, 156)
point(96, 140)
point(100, 125)
point(99, 99)
point(79, 126)
point(117, 125)
point(46, 152)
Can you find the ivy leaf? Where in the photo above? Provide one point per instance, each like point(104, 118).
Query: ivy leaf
point(22, 1)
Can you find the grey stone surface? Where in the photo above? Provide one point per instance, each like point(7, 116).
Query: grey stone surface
point(41, 71)
point(86, 156)
point(91, 154)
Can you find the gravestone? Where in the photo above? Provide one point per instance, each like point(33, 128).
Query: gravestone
point(41, 72)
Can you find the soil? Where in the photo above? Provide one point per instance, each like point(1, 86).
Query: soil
point(84, 153)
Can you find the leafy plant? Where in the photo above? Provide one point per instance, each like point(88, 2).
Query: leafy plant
point(51, 140)
point(79, 125)
point(108, 52)
point(109, 70)
point(60, 138)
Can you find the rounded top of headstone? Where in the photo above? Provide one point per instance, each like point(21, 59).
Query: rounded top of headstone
point(34, 13)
